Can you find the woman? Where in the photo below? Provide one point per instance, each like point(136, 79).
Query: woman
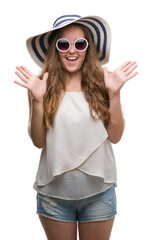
point(75, 115)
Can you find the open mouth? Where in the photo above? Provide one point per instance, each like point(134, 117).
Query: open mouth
point(72, 59)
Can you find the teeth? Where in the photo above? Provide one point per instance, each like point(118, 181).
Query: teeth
point(72, 58)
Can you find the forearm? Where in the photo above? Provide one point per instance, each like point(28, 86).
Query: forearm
point(115, 129)
point(36, 128)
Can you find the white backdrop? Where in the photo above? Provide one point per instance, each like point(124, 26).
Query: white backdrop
point(130, 22)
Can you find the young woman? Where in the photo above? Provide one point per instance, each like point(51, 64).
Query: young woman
point(75, 115)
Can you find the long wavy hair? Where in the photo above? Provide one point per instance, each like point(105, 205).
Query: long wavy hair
point(92, 82)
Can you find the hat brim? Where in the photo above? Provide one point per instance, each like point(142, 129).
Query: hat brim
point(100, 31)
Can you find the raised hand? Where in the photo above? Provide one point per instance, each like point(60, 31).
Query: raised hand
point(36, 86)
point(115, 80)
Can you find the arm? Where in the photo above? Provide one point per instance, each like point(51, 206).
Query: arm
point(114, 82)
point(36, 129)
point(36, 90)
point(115, 129)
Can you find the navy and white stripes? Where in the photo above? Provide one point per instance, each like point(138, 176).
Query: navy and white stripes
point(98, 27)
point(65, 19)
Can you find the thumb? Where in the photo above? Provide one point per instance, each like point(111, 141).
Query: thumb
point(105, 70)
point(45, 77)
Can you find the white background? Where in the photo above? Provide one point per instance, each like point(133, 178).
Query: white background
point(130, 22)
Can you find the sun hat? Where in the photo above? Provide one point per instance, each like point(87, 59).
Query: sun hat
point(100, 31)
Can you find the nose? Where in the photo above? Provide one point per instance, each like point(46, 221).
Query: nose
point(72, 50)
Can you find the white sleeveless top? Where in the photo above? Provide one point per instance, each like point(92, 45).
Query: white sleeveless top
point(78, 159)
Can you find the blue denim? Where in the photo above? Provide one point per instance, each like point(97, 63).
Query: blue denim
point(99, 207)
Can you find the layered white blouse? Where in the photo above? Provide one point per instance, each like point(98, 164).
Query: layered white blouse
point(78, 159)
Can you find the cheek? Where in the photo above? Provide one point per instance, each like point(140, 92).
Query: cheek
point(83, 57)
point(61, 56)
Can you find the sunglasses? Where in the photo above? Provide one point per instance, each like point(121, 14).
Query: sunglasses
point(80, 45)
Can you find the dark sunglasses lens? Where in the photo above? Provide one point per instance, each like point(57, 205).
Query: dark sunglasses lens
point(80, 44)
point(63, 45)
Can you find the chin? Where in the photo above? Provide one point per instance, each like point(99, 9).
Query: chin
point(72, 70)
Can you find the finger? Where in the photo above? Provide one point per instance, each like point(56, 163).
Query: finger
point(105, 71)
point(128, 66)
point(21, 84)
point(45, 77)
point(131, 76)
point(124, 65)
point(24, 72)
point(130, 70)
point(21, 77)
point(24, 68)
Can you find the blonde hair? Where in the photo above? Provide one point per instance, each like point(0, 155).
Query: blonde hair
point(92, 82)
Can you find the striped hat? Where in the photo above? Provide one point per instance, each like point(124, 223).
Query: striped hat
point(100, 31)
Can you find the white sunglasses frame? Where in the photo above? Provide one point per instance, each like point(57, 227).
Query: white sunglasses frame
point(71, 44)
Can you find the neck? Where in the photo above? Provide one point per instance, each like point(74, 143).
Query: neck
point(73, 80)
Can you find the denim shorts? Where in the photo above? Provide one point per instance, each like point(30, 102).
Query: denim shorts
point(99, 207)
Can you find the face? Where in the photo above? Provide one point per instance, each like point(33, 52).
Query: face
point(72, 60)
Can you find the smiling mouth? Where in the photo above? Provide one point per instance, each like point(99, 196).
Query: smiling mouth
point(72, 58)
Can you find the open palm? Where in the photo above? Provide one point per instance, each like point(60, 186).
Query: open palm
point(36, 86)
point(116, 79)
